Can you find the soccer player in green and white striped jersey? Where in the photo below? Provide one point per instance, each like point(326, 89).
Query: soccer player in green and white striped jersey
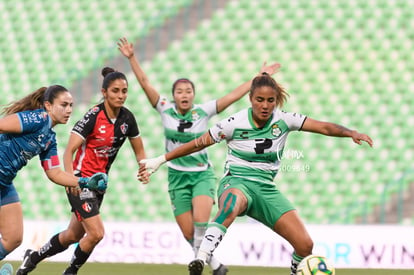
point(192, 184)
point(255, 138)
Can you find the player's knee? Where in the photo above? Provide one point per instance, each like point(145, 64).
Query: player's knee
point(305, 248)
point(11, 244)
point(68, 237)
point(96, 236)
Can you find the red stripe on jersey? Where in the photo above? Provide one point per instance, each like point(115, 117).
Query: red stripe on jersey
point(51, 163)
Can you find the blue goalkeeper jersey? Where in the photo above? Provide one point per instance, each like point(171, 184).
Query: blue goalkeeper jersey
point(36, 138)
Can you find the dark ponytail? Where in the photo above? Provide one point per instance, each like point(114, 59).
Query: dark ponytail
point(110, 75)
point(34, 100)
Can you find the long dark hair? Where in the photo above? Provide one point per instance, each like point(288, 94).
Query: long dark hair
point(34, 100)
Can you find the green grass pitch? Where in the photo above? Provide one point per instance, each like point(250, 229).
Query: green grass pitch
point(54, 268)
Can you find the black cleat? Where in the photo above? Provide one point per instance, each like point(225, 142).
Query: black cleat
point(196, 267)
point(222, 270)
point(27, 264)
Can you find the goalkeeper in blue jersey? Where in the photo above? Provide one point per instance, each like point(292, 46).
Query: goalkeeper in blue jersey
point(255, 138)
point(26, 131)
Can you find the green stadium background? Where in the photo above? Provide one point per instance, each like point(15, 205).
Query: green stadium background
point(349, 62)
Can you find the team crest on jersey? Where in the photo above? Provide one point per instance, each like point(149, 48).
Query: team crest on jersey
point(195, 115)
point(87, 207)
point(276, 130)
point(124, 128)
point(94, 110)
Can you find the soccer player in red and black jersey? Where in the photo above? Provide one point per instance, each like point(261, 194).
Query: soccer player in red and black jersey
point(96, 139)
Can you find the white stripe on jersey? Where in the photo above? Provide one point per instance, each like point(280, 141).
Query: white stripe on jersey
point(252, 147)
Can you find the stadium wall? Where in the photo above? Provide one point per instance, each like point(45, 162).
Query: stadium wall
point(347, 246)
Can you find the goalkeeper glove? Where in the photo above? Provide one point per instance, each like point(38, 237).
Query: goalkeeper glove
point(153, 164)
point(98, 181)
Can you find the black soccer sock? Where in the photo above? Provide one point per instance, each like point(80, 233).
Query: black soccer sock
point(78, 259)
point(52, 247)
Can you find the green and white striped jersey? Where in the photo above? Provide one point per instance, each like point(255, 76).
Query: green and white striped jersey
point(253, 152)
point(180, 129)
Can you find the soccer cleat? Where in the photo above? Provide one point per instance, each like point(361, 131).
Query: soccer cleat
point(6, 269)
point(221, 270)
point(196, 267)
point(27, 264)
point(68, 271)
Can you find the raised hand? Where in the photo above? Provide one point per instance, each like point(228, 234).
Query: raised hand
point(126, 48)
point(270, 69)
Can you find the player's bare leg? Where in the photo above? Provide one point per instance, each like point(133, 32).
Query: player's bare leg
point(291, 228)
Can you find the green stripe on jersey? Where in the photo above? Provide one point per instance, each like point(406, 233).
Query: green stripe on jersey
point(193, 160)
point(182, 137)
point(248, 172)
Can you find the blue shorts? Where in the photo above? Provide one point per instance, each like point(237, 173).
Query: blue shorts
point(8, 194)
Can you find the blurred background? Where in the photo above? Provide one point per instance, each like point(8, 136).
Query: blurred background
point(349, 62)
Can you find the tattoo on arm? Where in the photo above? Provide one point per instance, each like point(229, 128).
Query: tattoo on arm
point(202, 142)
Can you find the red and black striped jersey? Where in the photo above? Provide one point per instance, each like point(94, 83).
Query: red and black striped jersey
point(102, 139)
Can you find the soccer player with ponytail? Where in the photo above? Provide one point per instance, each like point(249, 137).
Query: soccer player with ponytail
point(255, 138)
point(191, 181)
point(25, 132)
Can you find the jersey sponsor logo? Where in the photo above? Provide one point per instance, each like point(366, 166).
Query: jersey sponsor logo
point(101, 129)
point(47, 144)
point(106, 151)
point(94, 110)
point(221, 135)
point(87, 207)
point(184, 124)
point(163, 101)
point(81, 123)
point(262, 144)
point(124, 128)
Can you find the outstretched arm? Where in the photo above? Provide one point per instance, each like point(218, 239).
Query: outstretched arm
point(10, 124)
point(61, 177)
point(334, 130)
point(240, 91)
point(195, 145)
point(127, 49)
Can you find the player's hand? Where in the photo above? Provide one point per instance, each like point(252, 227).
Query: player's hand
point(98, 181)
point(143, 174)
point(359, 137)
point(126, 48)
point(271, 69)
point(153, 164)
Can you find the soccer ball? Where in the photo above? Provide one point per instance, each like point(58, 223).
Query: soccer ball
point(315, 265)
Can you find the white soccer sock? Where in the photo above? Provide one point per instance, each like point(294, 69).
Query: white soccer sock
point(199, 230)
point(212, 238)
